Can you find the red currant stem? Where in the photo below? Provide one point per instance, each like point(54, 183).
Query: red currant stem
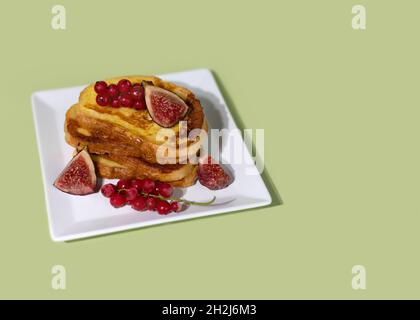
point(195, 203)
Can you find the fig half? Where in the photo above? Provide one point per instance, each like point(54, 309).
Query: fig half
point(78, 177)
point(165, 107)
point(212, 175)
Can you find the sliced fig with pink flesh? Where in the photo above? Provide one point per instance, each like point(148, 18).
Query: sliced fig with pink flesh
point(78, 177)
point(212, 175)
point(165, 107)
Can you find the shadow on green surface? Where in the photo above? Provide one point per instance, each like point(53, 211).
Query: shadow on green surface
point(275, 195)
point(192, 219)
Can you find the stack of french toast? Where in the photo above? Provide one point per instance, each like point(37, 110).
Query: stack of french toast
point(124, 141)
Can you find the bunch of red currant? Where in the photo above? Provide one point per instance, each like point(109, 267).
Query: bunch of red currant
point(142, 195)
point(124, 94)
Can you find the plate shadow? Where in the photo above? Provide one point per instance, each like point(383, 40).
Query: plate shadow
point(272, 188)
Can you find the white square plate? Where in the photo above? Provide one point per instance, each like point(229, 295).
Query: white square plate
point(72, 217)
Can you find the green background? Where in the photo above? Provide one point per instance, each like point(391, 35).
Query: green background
point(340, 110)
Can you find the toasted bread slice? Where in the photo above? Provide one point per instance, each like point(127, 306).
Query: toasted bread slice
point(138, 168)
point(126, 131)
point(116, 167)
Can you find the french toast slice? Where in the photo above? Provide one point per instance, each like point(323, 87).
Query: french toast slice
point(116, 167)
point(138, 168)
point(126, 131)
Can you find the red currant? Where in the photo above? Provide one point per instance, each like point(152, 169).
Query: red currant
point(124, 86)
point(113, 90)
point(102, 100)
point(148, 185)
point(108, 190)
point(130, 193)
point(118, 200)
point(138, 184)
point(126, 100)
point(139, 105)
point(115, 103)
point(123, 184)
point(139, 203)
point(176, 206)
point(164, 189)
point(163, 207)
point(137, 91)
point(100, 87)
point(151, 203)
point(136, 86)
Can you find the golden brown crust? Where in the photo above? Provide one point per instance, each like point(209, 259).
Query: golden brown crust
point(138, 168)
point(100, 140)
point(114, 170)
point(188, 181)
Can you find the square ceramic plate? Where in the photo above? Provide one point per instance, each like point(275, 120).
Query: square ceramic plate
point(72, 217)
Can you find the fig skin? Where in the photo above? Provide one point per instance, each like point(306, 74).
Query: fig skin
point(78, 177)
point(165, 107)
